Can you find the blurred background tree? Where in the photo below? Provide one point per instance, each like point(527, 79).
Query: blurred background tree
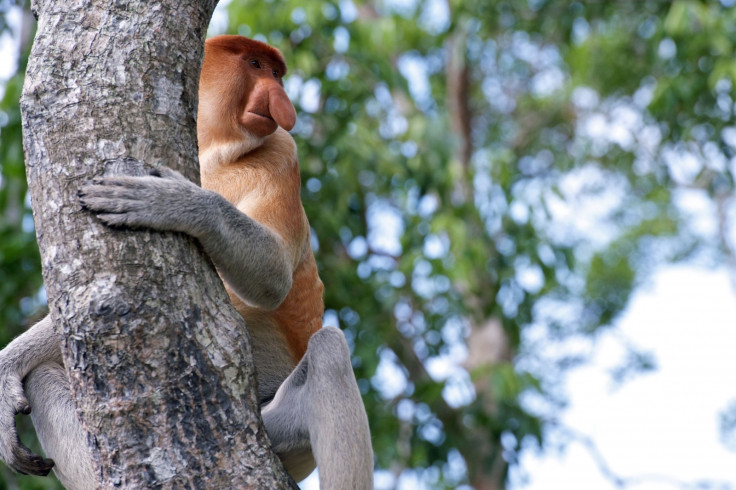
point(487, 182)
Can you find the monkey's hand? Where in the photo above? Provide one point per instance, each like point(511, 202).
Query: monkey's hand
point(12, 402)
point(164, 200)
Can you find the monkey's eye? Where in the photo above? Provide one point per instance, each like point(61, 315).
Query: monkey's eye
point(255, 64)
point(275, 73)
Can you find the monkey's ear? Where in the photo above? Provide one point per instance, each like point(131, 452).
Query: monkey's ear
point(281, 109)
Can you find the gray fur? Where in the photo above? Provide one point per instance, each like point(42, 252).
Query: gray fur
point(273, 361)
point(316, 412)
point(37, 345)
point(61, 434)
point(247, 254)
point(32, 366)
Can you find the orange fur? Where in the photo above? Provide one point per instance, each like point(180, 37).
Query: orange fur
point(260, 175)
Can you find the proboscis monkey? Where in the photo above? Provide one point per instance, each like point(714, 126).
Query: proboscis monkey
point(249, 219)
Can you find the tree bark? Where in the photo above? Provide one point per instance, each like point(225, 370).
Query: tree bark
point(159, 361)
point(488, 344)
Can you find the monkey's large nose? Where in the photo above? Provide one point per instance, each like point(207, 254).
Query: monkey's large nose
point(281, 109)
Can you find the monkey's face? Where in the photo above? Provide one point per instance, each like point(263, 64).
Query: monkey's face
point(241, 90)
point(266, 104)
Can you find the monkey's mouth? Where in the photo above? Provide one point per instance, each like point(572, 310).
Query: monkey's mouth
point(259, 124)
point(264, 116)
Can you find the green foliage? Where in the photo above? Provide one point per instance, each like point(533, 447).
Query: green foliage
point(468, 236)
point(569, 197)
point(20, 265)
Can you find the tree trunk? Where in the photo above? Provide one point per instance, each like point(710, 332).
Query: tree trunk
point(488, 344)
point(159, 361)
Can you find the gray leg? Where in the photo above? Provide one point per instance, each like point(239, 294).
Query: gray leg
point(318, 411)
point(286, 423)
point(58, 427)
point(37, 345)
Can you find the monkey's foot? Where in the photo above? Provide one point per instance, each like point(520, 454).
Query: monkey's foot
point(26, 462)
point(12, 451)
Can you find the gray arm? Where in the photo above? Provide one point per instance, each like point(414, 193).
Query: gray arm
point(37, 345)
point(250, 258)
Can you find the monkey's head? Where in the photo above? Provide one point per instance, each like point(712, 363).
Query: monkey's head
point(241, 92)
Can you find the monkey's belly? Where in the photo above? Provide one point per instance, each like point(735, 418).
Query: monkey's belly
point(271, 354)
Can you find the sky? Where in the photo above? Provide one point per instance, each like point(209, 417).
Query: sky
point(659, 428)
point(9, 47)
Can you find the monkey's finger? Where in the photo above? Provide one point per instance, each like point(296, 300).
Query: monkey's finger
point(167, 173)
point(113, 219)
point(112, 181)
point(111, 204)
point(151, 189)
point(22, 406)
point(130, 220)
point(89, 192)
point(107, 187)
